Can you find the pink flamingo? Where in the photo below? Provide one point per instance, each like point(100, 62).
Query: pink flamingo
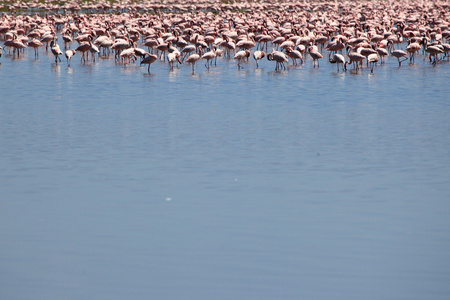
point(209, 56)
point(240, 55)
point(148, 60)
point(192, 59)
point(279, 57)
point(258, 55)
point(54, 47)
point(315, 54)
point(83, 48)
point(338, 59)
point(354, 58)
point(412, 48)
point(69, 54)
point(35, 44)
point(294, 55)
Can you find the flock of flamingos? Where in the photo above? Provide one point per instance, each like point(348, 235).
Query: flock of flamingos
point(357, 33)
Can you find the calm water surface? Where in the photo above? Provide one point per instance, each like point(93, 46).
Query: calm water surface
point(226, 184)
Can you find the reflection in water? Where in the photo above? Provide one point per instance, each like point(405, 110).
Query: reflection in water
point(130, 69)
point(87, 67)
point(149, 76)
point(259, 72)
point(56, 67)
point(372, 77)
point(242, 73)
point(196, 75)
point(224, 184)
point(339, 76)
point(173, 74)
point(278, 72)
point(354, 71)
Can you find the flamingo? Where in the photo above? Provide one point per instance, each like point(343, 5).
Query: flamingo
point(398, 54)
point(287, 44)
point(192, 59)
point(35, 44)
point(315, 54)
point(94, 50)
point(148, 60)
point(106, 45)
point(119, 45)
point(279, 57)
point(8, 44)
point(48, 37)
point(67, 39)
point(83, 48)
point(219, 53)
point(354, 58)
point(208, 56)
point(321, 40)
point(335, 46)
point(373, 59)
point(366, 52)
point(172, 57)
point(150, 44)
point(69, 54)
point(446, 49)
point(302, 50)
point(294, 55)
point(163, 47)
point(258, 55)
point(181, 43)
point(128, 55)
point(139, 51)
point(17, 44)
point(54, 47)
point(382, 52)
point(278, 41)
point(245, 44)
point(230, 46)
point(432, 50)
point(187, 50)
point(338, 59)
point(264, 40)
point(240, 55)
point(412, 48)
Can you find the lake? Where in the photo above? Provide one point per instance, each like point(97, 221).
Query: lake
point(224, 184)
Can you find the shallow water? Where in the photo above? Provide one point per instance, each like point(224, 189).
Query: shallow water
point(225, 184)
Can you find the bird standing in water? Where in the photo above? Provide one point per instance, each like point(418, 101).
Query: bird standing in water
point(148, 60)
point(54, 47)
point(240, 56)
point(192, 59)
point(315, 54)
point(279, 57)
point(338, 59)
point(258, 55)
point(69, 54)
point(372, 60)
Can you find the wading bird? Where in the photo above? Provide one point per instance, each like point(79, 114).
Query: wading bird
point(54, 47)
point(258, 55)
point(148, 60)
point(69, 54)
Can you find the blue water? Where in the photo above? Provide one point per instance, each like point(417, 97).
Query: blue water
point(225, 184)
